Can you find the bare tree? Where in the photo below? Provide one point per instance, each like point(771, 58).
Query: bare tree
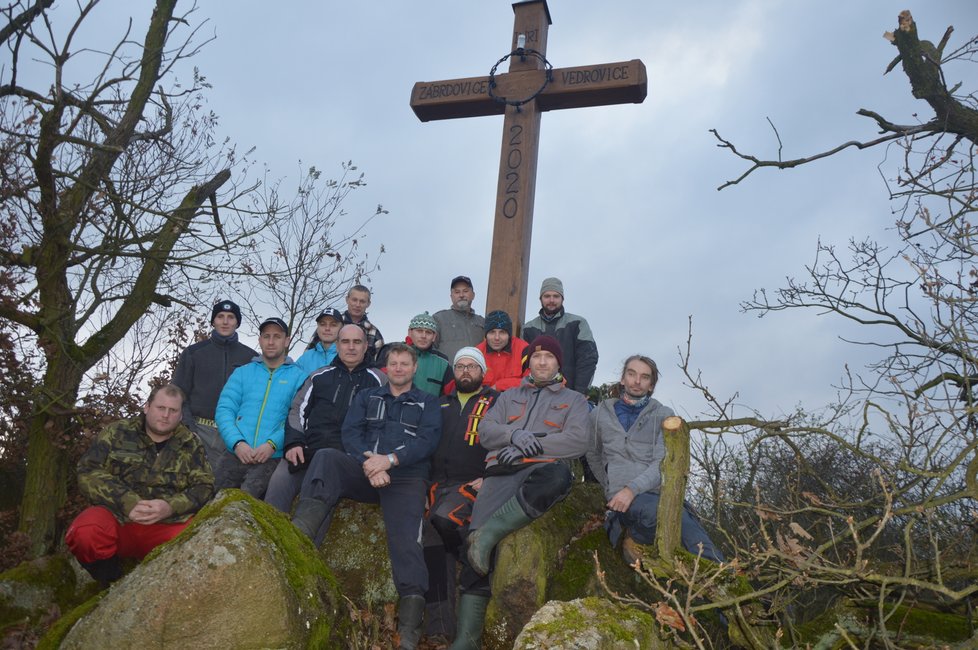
point(302, 263)
point(861, 514)
point(109, 188)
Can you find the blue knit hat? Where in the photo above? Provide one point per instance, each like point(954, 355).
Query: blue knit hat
point(499, 320)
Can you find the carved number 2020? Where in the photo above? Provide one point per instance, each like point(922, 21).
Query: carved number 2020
point(514, 158)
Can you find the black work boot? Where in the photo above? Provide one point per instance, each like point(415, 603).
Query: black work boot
point(471, 620)
point(410, 611)
point(309, 516)
point(105, 572)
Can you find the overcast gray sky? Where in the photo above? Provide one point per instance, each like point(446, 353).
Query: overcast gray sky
point(627, 212)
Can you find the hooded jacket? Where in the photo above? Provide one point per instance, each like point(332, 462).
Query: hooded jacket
point(255, 403)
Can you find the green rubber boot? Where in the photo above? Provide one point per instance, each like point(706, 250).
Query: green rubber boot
point(471, 620)
point(508, 518)
point(309, 516)
point(410, 611)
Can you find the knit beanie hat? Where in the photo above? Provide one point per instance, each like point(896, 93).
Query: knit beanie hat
point(226, 305)
point(423, 321)
point(499, 320)
point(552, 284)
point(471, 353)
point(546, 343)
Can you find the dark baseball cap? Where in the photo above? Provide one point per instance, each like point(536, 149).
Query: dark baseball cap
point(332, 312)
point(274, 320)
point(461, 278)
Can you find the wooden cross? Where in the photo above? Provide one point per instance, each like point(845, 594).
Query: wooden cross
point(593, 85)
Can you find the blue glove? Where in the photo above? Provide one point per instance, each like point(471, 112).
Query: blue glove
point(527, 442)
point(509, 455)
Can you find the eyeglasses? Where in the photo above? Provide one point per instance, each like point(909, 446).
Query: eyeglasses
point(466, 367)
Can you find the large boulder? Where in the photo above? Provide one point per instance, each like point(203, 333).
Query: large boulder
point(590, 624)
point(241, 576)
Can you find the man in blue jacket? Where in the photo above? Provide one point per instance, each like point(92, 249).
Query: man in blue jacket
point(202, 371)
point(389, 434)
point(252, 410)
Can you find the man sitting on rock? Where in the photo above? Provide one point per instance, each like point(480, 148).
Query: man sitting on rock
point(628, 450)
point(317, 413)
point(527, 431)
point(389, 434)
point(145, 478)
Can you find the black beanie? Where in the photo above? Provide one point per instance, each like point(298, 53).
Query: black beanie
point(226, 305)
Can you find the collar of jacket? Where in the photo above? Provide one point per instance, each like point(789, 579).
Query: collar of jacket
point(338, 363)
point(557, 315)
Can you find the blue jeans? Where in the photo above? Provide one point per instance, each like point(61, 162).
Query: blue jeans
point(640, 519)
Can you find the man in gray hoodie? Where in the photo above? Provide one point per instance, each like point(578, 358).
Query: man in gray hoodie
point(628, 450)
point(528, 432)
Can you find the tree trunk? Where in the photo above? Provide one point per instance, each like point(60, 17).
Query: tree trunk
point(51, 430)
point(675, 469)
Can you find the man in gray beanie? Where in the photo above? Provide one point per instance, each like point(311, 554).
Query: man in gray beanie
point(571, 331)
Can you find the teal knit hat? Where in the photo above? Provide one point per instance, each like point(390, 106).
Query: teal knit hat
point(423, 321)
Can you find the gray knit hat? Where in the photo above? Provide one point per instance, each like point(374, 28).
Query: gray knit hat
point(552, 284)
point(471, 353)
point(423, 321)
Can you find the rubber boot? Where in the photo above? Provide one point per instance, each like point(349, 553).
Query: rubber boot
point(105, 572)
point(309, 516)
point(410, 611)
point(471, 620)
point(508, 518)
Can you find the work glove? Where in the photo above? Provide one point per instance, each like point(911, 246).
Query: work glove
point(527, 442)
point(509, 455)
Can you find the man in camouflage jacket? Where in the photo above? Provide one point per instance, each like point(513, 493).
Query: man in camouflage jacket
point(144, 478)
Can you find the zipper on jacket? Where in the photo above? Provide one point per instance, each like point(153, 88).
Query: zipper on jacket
point(261, 411)
point(529, 411)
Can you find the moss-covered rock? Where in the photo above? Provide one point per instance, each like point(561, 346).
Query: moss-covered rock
point(916, 626)
point(589, 624)
point(355, 550)
point(528, 561)
point(35, 592)
point(241, 576)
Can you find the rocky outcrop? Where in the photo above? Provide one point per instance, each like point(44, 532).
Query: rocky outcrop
point(240, 577)
point(355, 550)
point(589, 624)
point(529, 560)
point(35, 593)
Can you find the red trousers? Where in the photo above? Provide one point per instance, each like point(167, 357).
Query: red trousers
point(96, 534)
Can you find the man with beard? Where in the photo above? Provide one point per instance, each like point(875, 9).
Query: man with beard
point(202, 371)
point(389, 435)
point(357, 302)
point(459, 326)
point(628, 450)
point(571, 331)
point(528, 431)
point(456, 476)
point(252, 410)
point(317, 413)
point(145, 478)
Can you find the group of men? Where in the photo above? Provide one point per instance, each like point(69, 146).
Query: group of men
point(455, 464)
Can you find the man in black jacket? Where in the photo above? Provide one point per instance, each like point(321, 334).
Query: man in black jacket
point(202, 371)
point(456, 476)
point(317, 412)
point(571, 331)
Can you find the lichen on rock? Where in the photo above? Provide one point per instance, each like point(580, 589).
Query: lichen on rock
point(241, 576)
